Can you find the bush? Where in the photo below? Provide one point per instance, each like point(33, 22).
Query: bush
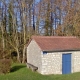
point(4, 54)
point(5, 65)
point(14, 56)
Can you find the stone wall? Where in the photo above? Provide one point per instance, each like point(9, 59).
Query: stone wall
point(34, 55)
point(52, 62)
point(76, 61)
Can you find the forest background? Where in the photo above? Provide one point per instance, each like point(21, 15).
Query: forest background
point(20, 19)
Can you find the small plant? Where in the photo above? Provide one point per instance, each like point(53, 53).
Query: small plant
point(5, 65)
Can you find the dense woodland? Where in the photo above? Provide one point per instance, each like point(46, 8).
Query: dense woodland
point(20, 19)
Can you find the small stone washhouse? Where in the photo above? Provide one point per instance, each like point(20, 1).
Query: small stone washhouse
point(54, 54)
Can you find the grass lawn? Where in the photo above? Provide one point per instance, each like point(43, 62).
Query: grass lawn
point(20, 72)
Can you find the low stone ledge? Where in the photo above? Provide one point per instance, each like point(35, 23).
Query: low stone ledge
point(32, 67)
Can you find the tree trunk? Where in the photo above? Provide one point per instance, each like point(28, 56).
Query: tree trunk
point(24, 54)
point(18, 56)
point(3, 42)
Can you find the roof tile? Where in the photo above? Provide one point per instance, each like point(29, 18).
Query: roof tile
point(54, 43)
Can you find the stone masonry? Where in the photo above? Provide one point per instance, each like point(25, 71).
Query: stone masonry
point(52, 62)
point(34, 55)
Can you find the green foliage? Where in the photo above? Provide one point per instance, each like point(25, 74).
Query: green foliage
point(5, 65)
point(20, 72)
point(46, 28)
point(14, 56)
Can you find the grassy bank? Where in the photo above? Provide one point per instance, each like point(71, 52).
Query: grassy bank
point(20, 72)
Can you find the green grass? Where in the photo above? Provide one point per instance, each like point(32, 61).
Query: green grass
point(20, 72)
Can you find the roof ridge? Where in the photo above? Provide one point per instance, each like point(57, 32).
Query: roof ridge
point(54, 37)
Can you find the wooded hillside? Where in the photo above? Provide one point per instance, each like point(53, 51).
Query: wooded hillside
point(20, 19)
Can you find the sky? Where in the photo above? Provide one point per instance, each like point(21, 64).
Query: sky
point(37, 0)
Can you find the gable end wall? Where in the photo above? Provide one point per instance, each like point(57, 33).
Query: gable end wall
point(34, 55)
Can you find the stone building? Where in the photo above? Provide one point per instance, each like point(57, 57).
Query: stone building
point(54, 54)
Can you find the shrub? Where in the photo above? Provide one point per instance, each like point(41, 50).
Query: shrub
point(5, 65)
point(4, 54)
point(14, 56)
